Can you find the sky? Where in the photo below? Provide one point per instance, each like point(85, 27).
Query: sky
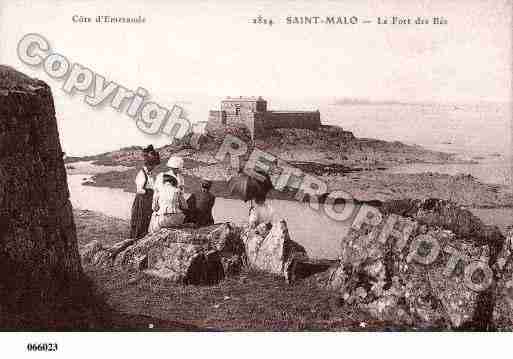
point(199, 51)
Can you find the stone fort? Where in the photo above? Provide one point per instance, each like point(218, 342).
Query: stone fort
point(252, 113)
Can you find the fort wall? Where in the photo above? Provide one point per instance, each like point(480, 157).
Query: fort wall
point(293, 119)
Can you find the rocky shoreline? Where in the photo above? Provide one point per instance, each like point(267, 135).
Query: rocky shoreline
point(364, 186)
point(357, 166)
point(329, 145)
point(373, 281)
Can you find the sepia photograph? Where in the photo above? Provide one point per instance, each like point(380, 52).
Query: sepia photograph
point(309, 167)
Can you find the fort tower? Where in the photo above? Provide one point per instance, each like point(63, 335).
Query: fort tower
point(252, 113)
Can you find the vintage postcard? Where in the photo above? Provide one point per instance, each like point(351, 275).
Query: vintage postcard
point(255, 166)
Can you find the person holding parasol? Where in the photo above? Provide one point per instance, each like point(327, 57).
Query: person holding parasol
point(254, 188)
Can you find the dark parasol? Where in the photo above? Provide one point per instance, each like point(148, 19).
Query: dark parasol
point(250, 187)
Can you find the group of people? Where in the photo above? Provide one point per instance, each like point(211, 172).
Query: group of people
point(160, 201)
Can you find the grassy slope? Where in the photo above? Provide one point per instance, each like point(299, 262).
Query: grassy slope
point(252, 301)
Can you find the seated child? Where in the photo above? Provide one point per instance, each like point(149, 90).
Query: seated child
point(201, 204)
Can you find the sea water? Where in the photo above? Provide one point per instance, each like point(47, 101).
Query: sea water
point(319, 234)
point(481, 133)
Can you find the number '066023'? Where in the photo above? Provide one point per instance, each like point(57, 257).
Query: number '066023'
point(42, 347)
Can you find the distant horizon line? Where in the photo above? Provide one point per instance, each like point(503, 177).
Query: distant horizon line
point(369, 101)
point(182, 99)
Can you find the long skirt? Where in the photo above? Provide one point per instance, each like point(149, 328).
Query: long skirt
point(141, 214)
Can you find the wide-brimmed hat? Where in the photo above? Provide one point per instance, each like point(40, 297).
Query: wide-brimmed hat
point(175, 162)
point(148, 149)
point(151, 156)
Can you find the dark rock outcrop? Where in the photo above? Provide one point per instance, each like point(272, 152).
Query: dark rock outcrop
point(427, 263)
point(40, 271)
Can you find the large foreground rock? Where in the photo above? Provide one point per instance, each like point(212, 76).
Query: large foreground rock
point(275, 252)
point(425, 264)
point(189, 256)
point(39, 262)
point(207, 255)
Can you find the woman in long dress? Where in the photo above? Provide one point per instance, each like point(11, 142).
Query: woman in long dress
point(142, 206)
point(175, 165)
